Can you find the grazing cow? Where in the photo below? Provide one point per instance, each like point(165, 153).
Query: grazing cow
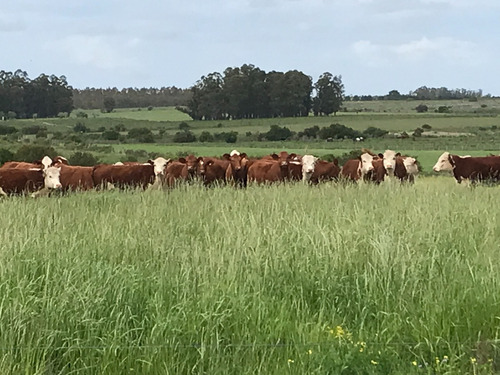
point(473, 168)
point(18, 181)
point(356, 169)
point(237, 169)
point(213, 170)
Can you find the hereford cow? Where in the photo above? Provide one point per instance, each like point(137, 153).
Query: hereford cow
point(472, 168)
point(389, 158)
point(76, 177)
point(411, 166)
point(356, 169)
point(130, 175)
point(308, 166)
point(44, 163)
point(18, 181)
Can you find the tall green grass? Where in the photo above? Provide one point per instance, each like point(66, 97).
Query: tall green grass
point(273, 280)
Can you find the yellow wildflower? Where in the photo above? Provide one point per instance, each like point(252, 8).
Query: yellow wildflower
point(373, 362)
point(473, 360)
point(310, 352)
point(414, 363)
point(339, 331)
point(290, 360)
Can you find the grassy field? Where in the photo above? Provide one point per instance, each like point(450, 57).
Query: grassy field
point(275, 280)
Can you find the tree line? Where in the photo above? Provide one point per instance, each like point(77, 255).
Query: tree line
point(425, 93)
point(249, 92)
point(44, 96)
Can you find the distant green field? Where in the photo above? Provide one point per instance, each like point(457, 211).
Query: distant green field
point(156, 114)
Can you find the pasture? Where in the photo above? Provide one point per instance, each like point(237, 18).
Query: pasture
point(290, 279)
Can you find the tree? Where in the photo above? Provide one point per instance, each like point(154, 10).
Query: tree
point(31, 153)
point(80, 128)
point(421, 108)
point(110, 135)
point(109, 104)
point(206, 137)
point(329, 94)
point(5, 155)
point(83, 158)
point(374, 132)
point(277, 133)
point(338, 131)
point(184, 137)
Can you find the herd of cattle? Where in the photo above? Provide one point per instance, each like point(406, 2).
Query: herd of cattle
point(236, 168)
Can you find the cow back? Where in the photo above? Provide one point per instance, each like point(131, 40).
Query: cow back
point(17, 181)
point(76, 177)
point(123, 175)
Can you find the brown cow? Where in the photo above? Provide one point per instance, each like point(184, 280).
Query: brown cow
point(45, 162)
point(183, 169)
point(473, 168)
point(18, 181)
point(285, 160)
point(237, 169)
point(76, 177)
point(325, 171)
point(213, 170)
point(377, 175)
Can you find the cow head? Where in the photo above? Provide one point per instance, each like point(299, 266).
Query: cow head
point(308, 164)
point(202, 165)
point(366, 164)
point(51, 177)
point(238, 161)
point(191, 162)
point(389, 158)
point(444, 163)
point(159, 164)
point(60, 160)
point(46, 162)
point(410, 165)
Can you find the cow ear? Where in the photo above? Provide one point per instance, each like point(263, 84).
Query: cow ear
point(381, 156)
point(151, 162)
point(226, 156)
point(182, 160)
point(336, 162)
point(243, 155)
point(291, 156)
point(275, 157)
point(398, 154)
point(200, 158)
point(209, 162)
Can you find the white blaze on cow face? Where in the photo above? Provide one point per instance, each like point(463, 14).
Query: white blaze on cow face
point(443, 163)
point(389, 161)
point(234, 152)
point(366, 164)
point(308, 164)
point(118, 163)
point(46, 162)
point(159, 165)
point(52, 177)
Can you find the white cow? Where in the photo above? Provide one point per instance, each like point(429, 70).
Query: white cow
point(366, 164)
point(308, 164)
point(411, 167)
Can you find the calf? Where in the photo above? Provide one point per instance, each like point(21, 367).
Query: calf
point(18, 181)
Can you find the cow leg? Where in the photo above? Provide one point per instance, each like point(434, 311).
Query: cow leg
point(2, 193)
point(41, 193)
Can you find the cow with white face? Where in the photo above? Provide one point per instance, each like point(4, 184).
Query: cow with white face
point(411, 167)
point(308, 164)
point(443, 163)
point(366, 164)
point(389, 158)
point(51, 176)
point(159, 164)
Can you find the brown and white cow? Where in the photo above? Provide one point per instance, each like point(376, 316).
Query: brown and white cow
point(472, 168)
point(290, 165)
point(75, 177)
point(355, 169)
point(44, 163)
point(19, 180)
point(137, 175)
point(377, 175)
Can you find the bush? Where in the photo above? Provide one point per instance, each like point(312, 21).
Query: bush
point(150, 108)
point(83, 158)
point(228, 137)
point(184, 137)
point(42, 133)
point(101, 129)
point(81, 114)
point(338, 131)
point(80, 128)
point(142, 135)
point(4, 130)
point(110, 135)
point(426, 127)
point(206, 137)
point(5, 155)
point(63, 114)
point(183, 126)
point(31, 153)
point(311, 132)
point(443, 109)
point(374, 132)
point(11, 115)
point(277, 133)
point(32, 129)
point(421, 108)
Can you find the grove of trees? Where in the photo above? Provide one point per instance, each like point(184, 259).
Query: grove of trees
point(249, 92)
point(44, 96)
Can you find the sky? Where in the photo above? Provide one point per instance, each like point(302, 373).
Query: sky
point(375, 45)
